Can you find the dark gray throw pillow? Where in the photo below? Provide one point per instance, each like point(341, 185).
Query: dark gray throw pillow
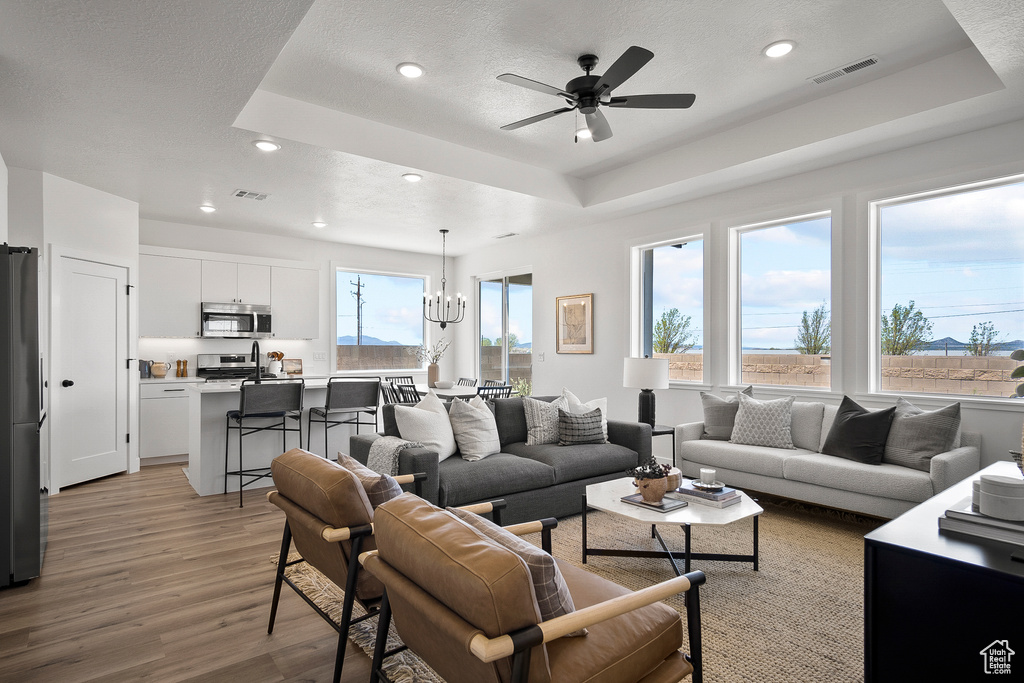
point(858, 433)
point(720, 414)
point(577, 428)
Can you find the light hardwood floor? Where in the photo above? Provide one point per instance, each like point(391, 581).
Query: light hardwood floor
point(143, 580)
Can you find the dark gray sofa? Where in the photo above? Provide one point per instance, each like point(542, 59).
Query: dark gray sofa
point(535, 481)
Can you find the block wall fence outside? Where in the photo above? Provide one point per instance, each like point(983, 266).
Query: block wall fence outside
point(962, 375)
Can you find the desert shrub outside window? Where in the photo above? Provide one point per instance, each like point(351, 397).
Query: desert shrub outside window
point(379, 321)
point(951, 290)
point(672, 306)
point(785, 302)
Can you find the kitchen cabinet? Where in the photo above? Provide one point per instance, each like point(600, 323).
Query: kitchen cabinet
point(295, 303)
point(170, 296)
point(163, 419)
point(226, 282)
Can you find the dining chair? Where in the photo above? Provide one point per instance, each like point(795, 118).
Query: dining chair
point(467, 381)
point(494, 383)
point(407, 393)
point(492, 391)
point(400, 379)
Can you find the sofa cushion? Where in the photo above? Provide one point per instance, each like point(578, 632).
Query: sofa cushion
point(462, 481)
point(764, 423)
point(917, 435)
point(720, 414)
point(858, 433)
point(725, 455)
point(474, 428)
point(806, 424)
point(580, 428)
point(571, 463)
point(885, 481)
point(553, 598)
point(622, 648)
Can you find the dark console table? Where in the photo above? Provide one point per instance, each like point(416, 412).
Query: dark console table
point(933, 601)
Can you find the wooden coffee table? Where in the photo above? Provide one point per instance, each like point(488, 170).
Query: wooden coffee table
point(606, 496)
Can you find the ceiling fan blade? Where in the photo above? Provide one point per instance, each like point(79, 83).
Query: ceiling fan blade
point(631, 61)
point(653, 101)
point(535, 119)
point(598, 125)
point(535, 85)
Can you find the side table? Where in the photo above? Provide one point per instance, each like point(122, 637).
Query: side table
point(665, 430)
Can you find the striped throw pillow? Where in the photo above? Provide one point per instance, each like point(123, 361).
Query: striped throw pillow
point(579, 428)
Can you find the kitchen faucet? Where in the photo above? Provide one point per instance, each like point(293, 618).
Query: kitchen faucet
point(256, 359)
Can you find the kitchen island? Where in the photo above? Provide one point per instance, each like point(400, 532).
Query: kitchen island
point(208, 407)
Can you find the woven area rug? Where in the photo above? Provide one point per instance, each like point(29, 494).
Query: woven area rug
point(799, 618)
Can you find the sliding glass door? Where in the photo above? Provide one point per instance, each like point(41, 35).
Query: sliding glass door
point(506, 329)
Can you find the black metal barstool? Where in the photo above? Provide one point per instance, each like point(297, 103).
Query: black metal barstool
point(467, 381)
point(261, 401)
point(345, 396)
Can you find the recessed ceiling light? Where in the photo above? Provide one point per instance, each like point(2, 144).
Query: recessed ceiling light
point(412, 177)
point(206, 208)
point(782, 47)
point(319, 224)
point(266, 145)
point(410, 69)
point(583, 133)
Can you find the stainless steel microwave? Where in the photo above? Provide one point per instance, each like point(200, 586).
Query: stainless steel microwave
point(236, 321)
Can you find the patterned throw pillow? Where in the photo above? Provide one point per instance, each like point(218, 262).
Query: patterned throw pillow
point(764, 423)
point(541, 421)
point(552, 593)
point(720, 414)
point(380, 488)
point(578, 406)
point(579, 428)
point(916, 435)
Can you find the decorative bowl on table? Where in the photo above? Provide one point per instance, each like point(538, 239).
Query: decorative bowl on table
point(444, 384)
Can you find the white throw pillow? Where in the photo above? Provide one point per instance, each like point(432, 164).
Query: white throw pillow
point(427, 422)
point(764, 423)
point(474, 427)
point(579, 407)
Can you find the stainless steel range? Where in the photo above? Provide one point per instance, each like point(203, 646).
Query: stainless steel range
point(217, 367)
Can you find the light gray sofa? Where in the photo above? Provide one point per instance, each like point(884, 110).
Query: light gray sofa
point(806, 474)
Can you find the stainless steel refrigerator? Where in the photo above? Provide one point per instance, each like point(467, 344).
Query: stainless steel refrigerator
point(23, 493)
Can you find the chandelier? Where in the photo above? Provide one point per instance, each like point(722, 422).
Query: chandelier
point(444, 313)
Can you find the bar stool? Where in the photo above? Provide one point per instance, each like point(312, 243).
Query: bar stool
point(259, 402)
point(352, 397)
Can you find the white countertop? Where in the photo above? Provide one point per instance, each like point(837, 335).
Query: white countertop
point(170, 379)
point(312, 382)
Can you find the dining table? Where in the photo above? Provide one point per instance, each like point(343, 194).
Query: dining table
point(448, 394)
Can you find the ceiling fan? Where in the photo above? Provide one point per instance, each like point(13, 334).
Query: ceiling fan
point(586, 93)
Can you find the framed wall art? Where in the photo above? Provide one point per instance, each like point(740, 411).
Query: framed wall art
point(574, 324)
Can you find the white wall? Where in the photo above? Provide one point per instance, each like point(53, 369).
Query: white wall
point(317, 253)
point(596, 259)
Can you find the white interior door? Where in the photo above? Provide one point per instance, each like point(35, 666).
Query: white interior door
point(90, 380)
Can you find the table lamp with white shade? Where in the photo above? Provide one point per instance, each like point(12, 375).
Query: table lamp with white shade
point(646, 374)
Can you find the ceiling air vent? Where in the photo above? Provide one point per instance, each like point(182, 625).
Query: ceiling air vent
point(249, 194)
point(506, 235)
point(833, 74)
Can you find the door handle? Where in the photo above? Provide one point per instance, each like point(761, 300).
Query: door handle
point(67, 383)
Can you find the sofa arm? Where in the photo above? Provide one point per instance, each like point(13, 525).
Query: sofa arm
point(691, 431)
point(410, 461)
point(635, 436)
point(953, 466)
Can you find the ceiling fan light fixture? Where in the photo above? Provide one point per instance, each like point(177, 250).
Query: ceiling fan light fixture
point(319, 224)
point(266, 145)
point(779, 48)
point(206, 208)
point(410, 69)
point(412, 177)
point(583, 133)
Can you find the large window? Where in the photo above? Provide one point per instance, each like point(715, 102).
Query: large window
point(951, 291)
point(506, 330)
point(672, 310)
point(785, 302)
point(380, 321)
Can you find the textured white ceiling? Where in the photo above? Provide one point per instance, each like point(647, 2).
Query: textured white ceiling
point(158, 102)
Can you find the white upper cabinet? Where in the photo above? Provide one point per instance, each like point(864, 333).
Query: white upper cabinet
point(170, 296)
point(226, 282)
point(295, 303)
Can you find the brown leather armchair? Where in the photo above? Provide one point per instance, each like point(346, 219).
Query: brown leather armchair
point(467, 607)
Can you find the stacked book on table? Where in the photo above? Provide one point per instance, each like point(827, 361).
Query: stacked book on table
point(963, 520)
point(720, 498)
